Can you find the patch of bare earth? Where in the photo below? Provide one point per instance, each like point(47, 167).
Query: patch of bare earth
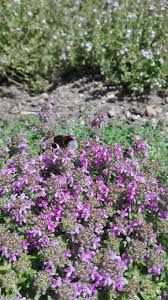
point(84, 97)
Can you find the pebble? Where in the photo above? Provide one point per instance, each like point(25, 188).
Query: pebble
point(153, 110)
point(154, 121)
point(166, 100)
point(6, 92)
point(28, 113)
point(15, 109)
point(111, 96)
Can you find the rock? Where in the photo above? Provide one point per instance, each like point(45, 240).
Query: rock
point(135, 117)
point(153, 110)
point(6, 92)
point(45, 96)
point(128, 114)
point(154, 99)
point(131, 117)
point(111, 97)
point(28, 113)
point(111, 113)
point(166, 100)
point(15, 109)
point(136, 110)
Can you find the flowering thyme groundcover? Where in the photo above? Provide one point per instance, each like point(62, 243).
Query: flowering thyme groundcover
point(82, 223)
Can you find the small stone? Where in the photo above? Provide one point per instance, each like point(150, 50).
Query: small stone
point(111, 113)
point(45, 96)
point(153, 110)
point(136, 110)
point(128, 114)
point(166, 100)
point(135, 117)
point(111, 96)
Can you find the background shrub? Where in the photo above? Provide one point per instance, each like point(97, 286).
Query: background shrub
point(126, 40)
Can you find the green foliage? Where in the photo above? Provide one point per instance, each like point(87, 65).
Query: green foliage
point(126, 40)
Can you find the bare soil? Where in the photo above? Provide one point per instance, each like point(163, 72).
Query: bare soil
point(86, 96)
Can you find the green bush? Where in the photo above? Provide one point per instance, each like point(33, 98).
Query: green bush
point(126, 40)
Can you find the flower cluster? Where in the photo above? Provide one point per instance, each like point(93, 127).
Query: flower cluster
point(76, 221)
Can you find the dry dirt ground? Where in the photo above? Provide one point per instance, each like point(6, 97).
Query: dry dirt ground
point(83, 97)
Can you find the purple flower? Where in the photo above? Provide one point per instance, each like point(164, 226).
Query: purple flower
point(163, 215)
point(103, 189)
point(134, 224)
point(106, 279)
point(83, 289)
point(98, 121)
point(151, 200)
point(121, 262)
point(118, 151)
point(118, 227)
point(69, 271)
point(96, 277)
point(83, 160)
point(140, 146)
point(118, 282)
point(96, 242)
point(86, 254)
point(131, 191)
point(18, 185)
point(23, 145)
point(49, 268)
point(84, 210)
point(155, 270)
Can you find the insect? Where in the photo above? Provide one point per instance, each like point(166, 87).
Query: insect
point(61, 141)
